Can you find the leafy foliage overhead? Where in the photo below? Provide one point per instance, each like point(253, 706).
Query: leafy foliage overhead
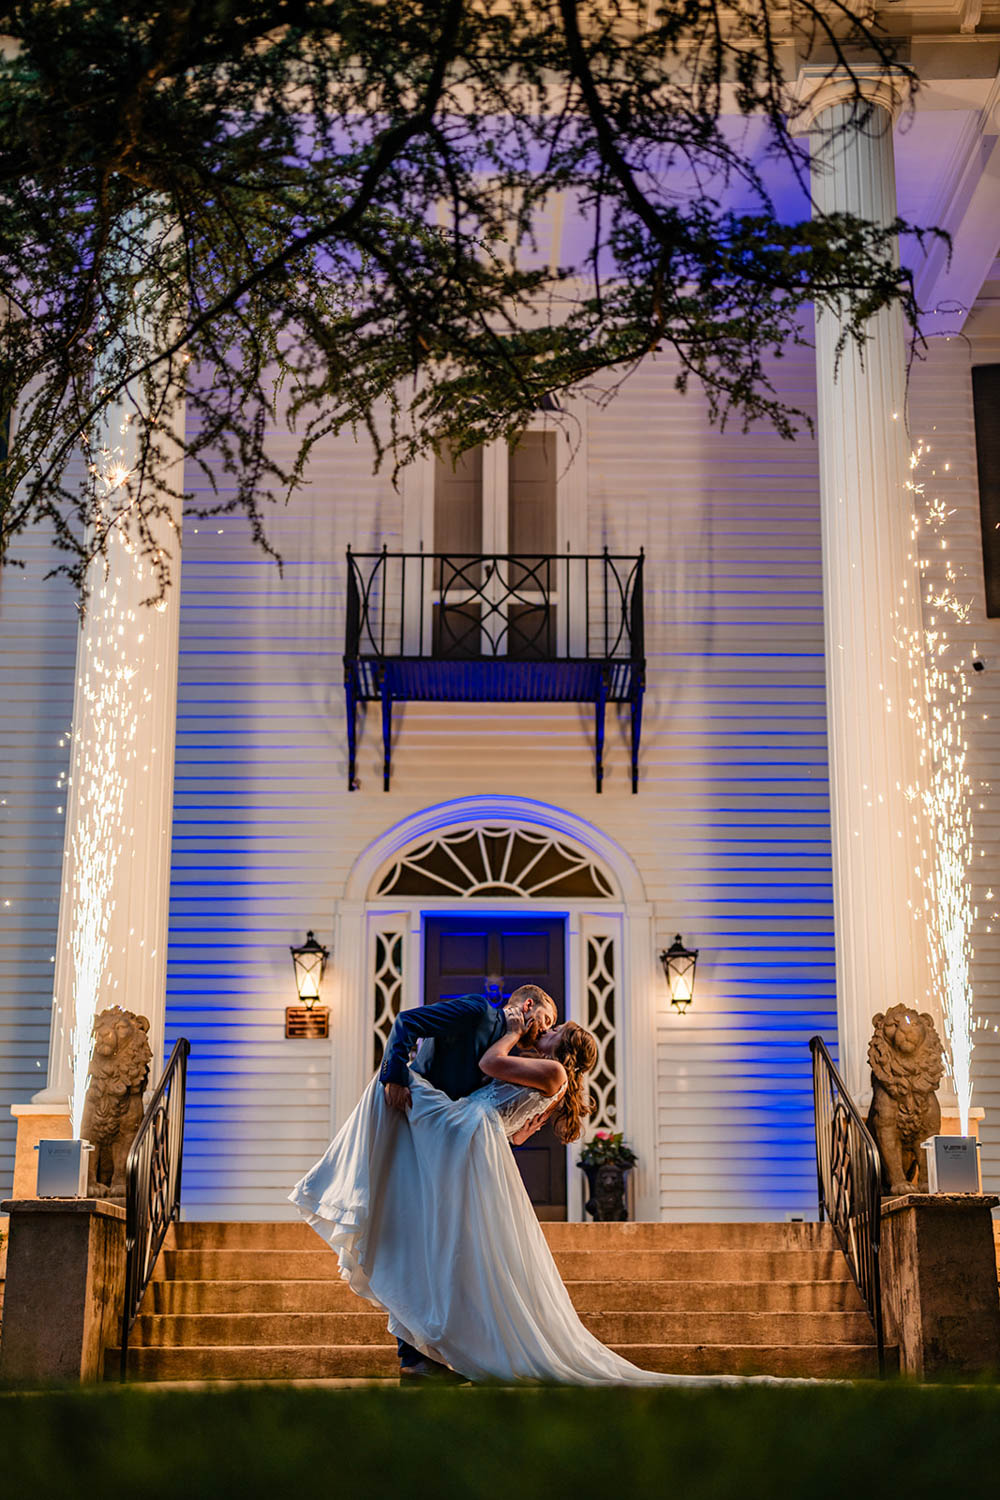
point(328, 209)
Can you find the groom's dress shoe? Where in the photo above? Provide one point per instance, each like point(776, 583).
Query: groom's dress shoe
point(429, 1371)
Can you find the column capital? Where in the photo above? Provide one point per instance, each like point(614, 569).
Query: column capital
point(819, 87)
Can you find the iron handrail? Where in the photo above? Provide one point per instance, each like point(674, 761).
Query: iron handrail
point(153, 1185)
point(848, 1174)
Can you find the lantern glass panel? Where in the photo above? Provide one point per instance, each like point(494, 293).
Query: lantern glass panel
point(307, 974)
point(681, 981)
point(310, 961)
point(679, 965)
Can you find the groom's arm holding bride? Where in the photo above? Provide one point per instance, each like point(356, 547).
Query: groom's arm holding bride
point(461, 1032)
point(446, 1018)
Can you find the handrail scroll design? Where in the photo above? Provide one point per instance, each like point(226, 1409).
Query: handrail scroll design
point(849, 1183)
point(153, 1185)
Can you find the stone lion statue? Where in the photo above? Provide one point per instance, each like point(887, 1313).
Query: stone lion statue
point(112, 1111)
point(906, 1063)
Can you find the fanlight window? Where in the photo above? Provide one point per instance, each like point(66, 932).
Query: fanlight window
point(495, 861)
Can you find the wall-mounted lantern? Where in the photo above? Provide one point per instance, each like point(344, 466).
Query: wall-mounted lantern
point(308, 1020)
point(309, 959)
point(679, 966)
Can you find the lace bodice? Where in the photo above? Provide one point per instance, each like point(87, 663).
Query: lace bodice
point(515, 1104)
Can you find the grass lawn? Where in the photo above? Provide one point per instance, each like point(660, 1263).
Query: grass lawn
point(748, 1443)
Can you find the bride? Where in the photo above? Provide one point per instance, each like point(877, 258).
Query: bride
point(431, 1221)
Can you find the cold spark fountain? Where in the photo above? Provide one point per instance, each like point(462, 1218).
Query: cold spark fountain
point(938, 706)
point(103, 761)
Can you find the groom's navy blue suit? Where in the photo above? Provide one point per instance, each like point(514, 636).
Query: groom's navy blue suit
point(460, 1030)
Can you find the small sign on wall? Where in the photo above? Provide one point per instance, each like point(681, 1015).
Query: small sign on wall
point(303, 1024)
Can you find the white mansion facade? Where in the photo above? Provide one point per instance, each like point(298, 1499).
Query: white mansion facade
point(768, 826)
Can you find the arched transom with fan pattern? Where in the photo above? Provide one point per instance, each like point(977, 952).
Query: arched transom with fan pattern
point(489, 860)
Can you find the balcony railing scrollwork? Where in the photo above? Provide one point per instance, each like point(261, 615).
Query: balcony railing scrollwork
point(494, 628)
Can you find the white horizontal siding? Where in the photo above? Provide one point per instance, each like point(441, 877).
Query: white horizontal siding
point(37, 662)
point(260, 770)
point(732, 827)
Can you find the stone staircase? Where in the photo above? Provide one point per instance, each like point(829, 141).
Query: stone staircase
point(260, 1301)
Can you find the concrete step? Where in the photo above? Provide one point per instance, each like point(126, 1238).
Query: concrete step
point(796, 1361)
point(634, 1236)
point(373, 1361)
point(759, 1329)
point(715, 1296)
point(689, 1236)
point(574, 1265)
point(213, 1330)
point(701, 1265)
point(281, 1362)
point(193, 1296)
point(612, 1328)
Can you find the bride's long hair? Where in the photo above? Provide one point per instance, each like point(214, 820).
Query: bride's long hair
point(577, 1051)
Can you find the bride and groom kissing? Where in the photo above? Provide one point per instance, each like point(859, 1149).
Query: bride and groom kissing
point(420, 1196)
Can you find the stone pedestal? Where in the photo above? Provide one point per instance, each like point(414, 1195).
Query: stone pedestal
point(35, 1122)
point(65, 1289)
point(939, 1284)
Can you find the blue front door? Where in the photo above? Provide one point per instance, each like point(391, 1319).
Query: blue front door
point(476, 955)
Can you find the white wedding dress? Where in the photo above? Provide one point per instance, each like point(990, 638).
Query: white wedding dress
point(431, 1221)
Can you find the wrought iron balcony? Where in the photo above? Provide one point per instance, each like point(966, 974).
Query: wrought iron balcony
point(493, 629)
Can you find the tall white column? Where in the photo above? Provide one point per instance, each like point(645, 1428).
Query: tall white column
point(872, 609)
point(112, 935)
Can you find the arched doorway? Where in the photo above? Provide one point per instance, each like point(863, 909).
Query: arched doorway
point(497, 856)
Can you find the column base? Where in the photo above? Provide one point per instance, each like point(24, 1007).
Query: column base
point(36, 1122)
point(939, 1284)
point(65, 1289)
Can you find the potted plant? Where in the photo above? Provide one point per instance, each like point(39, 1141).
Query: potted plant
point(607, 1161)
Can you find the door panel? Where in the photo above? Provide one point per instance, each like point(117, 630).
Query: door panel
point(462, 953)
point(465, 956)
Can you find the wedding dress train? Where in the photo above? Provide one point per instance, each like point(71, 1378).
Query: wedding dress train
point(431, 1221)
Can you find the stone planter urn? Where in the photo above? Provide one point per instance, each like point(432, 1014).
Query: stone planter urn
point(606, 1161)
point(607, 1185)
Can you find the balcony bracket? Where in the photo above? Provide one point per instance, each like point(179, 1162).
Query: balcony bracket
point(600, 703)
point(351, 694)
point(638, 688)
point(386, 732)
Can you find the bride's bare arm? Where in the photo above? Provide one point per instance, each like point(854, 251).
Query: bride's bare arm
point(542, 1073)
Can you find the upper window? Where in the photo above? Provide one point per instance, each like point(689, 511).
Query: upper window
point(499, 501)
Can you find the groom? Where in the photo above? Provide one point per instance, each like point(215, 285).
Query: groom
point(459, 1032)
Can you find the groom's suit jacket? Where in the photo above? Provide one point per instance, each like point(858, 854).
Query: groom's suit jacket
point(460, 1031)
